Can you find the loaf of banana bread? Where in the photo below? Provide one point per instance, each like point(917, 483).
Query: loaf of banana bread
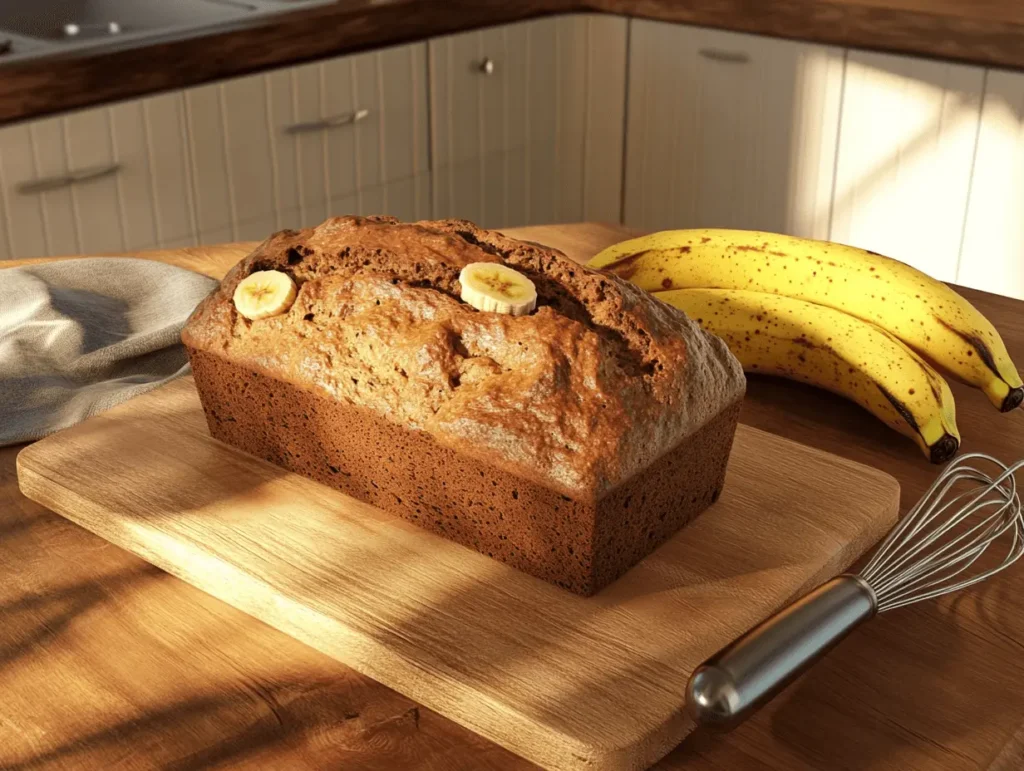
point(568, 442)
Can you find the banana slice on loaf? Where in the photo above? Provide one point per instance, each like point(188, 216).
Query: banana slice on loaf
point(264, 293)
point(490, 286)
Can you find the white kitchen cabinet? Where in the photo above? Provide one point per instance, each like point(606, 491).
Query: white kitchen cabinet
point(527, 121)
point(291, 147)
point(47, 220)
point(29, 227)
point(235, 160)
point(906, 149)
point(108, 179)
point(729, 130)
point(992, 257)
point(530, 123)
point(154, 183)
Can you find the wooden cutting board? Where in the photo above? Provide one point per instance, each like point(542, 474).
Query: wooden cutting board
point(568, 682)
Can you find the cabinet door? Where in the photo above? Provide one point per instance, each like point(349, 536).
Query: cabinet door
point(108, 179)
point(154, 180)
point(729, 130)
point(906, 145)
point(527, 121)
point(59, 191)
point(992, 257)
point(35, 224)
point(291, 147)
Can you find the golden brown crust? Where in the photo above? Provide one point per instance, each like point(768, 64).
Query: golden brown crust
point(581, 545)
point(595, 385)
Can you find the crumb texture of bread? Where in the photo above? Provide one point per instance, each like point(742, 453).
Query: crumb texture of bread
point(591, 388)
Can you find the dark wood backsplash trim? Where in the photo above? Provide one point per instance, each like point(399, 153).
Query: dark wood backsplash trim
point(997, 43)
point(33, 89)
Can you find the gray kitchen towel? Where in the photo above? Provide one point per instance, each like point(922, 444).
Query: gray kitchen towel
point(80, 336)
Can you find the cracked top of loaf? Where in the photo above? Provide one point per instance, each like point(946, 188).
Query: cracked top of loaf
point(592, 387)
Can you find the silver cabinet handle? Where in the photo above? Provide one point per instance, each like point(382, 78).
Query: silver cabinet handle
point(66, 180)
point(733, 57)
point(487, 66)
point(344, 119)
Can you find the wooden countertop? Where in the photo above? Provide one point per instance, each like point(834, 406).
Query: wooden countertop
point(989, 32)
point(106, 662)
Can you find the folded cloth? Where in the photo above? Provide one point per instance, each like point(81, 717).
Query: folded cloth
point(80, 336)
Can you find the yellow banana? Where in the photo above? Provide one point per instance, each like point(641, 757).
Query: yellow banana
point(778, 335)
point(924, 313)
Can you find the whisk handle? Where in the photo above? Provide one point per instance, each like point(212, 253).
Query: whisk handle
point(731, 685)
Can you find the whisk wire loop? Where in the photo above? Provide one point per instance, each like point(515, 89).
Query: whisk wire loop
point(946, 542)
point(933, 547)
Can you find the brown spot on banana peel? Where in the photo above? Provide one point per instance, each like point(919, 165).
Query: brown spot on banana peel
point(939, 452)
point(625, 267)
point(936, 389)
point(1015, 397)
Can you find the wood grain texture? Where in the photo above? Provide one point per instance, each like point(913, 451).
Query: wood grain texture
point(108, 662)
point(988, 33)
point(197, 684)
point(570, 683)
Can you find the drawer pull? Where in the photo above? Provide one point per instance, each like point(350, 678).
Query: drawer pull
point(66, 180)
point(345, 119)
point(486, 66)
point(732, 57)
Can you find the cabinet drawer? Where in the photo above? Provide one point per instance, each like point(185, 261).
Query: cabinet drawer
point(729, 130)
point(268, 146)
point(109, 179)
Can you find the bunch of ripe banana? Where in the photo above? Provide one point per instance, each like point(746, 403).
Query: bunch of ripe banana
point(862, 325)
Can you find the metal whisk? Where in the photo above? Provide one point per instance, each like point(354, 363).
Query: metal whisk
point(930, 552)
